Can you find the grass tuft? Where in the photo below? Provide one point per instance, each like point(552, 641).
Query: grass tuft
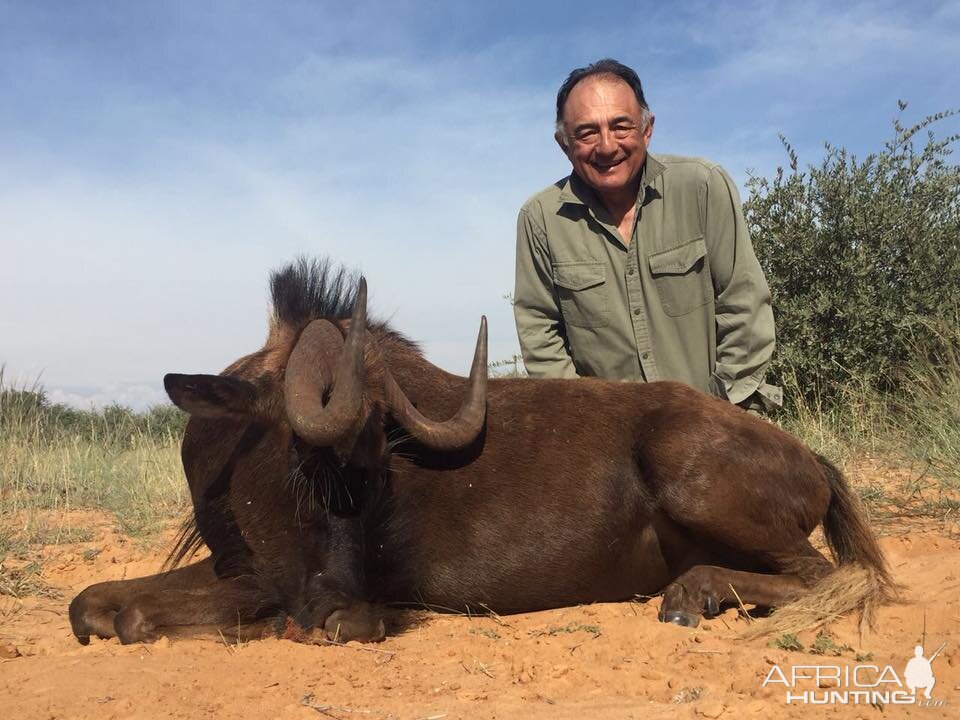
point(823, 644)
point(53, 457)
point(789, 642)
point(916, 425)
point(19, 582)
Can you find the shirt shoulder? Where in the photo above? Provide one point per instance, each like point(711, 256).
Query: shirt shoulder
point(549, 197)
point(683, 170)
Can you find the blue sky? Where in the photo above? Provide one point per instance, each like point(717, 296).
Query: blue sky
point(158, 159)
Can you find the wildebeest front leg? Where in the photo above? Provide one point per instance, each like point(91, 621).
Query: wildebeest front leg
point(334, 593)
point(137, 610)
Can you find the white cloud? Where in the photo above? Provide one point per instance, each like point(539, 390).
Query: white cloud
point(139, 241)
point(136, 397)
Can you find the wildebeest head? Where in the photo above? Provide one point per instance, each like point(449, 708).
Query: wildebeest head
point(327, 376)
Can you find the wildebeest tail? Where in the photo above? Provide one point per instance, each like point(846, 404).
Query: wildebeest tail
point(860, 582)
point(849, 536)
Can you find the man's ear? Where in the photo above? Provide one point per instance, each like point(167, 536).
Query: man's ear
point(563, 143)
point(648, 131)
point(211, 395)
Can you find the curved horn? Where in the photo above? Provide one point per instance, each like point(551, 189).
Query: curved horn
point(462, 428)
point(313, 368)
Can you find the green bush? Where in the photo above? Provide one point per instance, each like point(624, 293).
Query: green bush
point(863, 260)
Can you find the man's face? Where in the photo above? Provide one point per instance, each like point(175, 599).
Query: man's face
point(606, 140)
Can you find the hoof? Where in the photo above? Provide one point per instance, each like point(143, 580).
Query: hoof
point(679, 617)
point(132, 626)
point(711, 608)
point(87, 618)
point(344, 625)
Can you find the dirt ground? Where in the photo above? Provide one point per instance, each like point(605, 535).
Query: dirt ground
point(598, 661)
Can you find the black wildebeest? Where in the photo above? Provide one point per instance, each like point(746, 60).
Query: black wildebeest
point(323, 490)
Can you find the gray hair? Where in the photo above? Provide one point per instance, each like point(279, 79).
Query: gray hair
point(606, 67)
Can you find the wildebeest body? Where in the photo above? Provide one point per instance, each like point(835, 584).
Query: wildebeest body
point(542, 511)
point(566, 492)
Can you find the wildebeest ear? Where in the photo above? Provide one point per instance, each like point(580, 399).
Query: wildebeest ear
point(211, 395)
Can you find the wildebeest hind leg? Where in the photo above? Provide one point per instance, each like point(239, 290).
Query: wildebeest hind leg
point(705, 589)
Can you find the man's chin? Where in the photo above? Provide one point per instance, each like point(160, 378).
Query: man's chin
point(611, 182)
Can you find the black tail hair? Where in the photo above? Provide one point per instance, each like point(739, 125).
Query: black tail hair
point(846, 529)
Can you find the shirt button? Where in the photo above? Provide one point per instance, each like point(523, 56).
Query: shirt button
point(636, 311)
point(645, 356)
point(630, 271)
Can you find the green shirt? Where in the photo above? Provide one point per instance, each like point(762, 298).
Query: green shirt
point(684, 300)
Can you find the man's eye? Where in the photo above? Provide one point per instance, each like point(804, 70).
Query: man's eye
point(586, 134)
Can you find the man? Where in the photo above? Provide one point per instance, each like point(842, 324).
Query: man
point(638, 267)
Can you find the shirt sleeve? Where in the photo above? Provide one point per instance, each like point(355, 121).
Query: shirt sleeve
point(745, 329)
point(536, 310)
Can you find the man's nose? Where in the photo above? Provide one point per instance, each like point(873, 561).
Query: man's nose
point(607, 144)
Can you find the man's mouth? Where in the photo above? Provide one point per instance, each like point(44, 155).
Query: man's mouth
point(606, 167)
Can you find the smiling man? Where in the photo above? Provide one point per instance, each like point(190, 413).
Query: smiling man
point(635, 266)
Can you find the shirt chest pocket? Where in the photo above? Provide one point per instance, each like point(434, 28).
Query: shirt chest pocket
point(581, 288)
point(682, 277)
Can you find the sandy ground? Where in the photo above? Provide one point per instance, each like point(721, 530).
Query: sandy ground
point(598, 661)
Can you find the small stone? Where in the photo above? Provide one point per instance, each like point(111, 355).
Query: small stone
point(710, 709)
point(757, 707)
point(162, 643)
point(8, 651)
point(524, 671)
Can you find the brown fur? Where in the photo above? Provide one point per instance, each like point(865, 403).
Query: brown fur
point(574, 492)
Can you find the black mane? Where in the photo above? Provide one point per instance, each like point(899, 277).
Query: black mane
point(308, 289)
point(311, 288)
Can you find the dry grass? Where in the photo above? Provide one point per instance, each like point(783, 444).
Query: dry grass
point(915, 429)
point(56, 458)
point(23, 580)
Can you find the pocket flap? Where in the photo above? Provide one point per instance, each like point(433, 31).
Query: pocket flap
point(579, 276)
point(677, 260)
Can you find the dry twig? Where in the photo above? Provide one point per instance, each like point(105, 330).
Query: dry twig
point(740, 602)
point(307, 701)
